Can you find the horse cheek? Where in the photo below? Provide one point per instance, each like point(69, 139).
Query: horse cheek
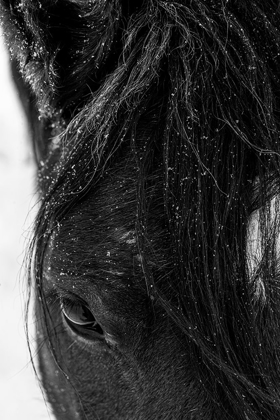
point(57, 388)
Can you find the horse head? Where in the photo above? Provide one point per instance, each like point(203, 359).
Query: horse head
point(154, 258)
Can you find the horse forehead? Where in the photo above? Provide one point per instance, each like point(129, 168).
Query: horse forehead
point(101, 247)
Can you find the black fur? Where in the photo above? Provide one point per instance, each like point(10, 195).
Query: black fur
point(157, 139)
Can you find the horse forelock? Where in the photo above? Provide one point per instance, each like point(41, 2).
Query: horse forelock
point(187, 93)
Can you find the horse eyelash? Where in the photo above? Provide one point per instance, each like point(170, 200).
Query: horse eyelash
point(56, 296)
point(58, 293)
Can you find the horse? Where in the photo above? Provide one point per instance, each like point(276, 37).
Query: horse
point(154, 261)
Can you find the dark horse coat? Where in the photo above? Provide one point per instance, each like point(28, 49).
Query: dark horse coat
point(155, 255)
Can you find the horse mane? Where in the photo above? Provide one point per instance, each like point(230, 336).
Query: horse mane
point(204, 76)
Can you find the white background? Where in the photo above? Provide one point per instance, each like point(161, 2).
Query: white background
point(20, 395)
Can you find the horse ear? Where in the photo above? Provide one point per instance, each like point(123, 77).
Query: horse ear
point(42, 131)
point(49, 52)
point(38, 133)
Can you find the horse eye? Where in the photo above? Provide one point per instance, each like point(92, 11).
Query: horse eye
point(79, 317)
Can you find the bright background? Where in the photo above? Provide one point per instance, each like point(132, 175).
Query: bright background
point(20, 395)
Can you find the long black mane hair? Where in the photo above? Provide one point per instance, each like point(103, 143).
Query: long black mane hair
point(190, 89)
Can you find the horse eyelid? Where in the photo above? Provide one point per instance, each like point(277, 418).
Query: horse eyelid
point(61, 294)
point(58, 296)
point(62, 298)
point(67, 305)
